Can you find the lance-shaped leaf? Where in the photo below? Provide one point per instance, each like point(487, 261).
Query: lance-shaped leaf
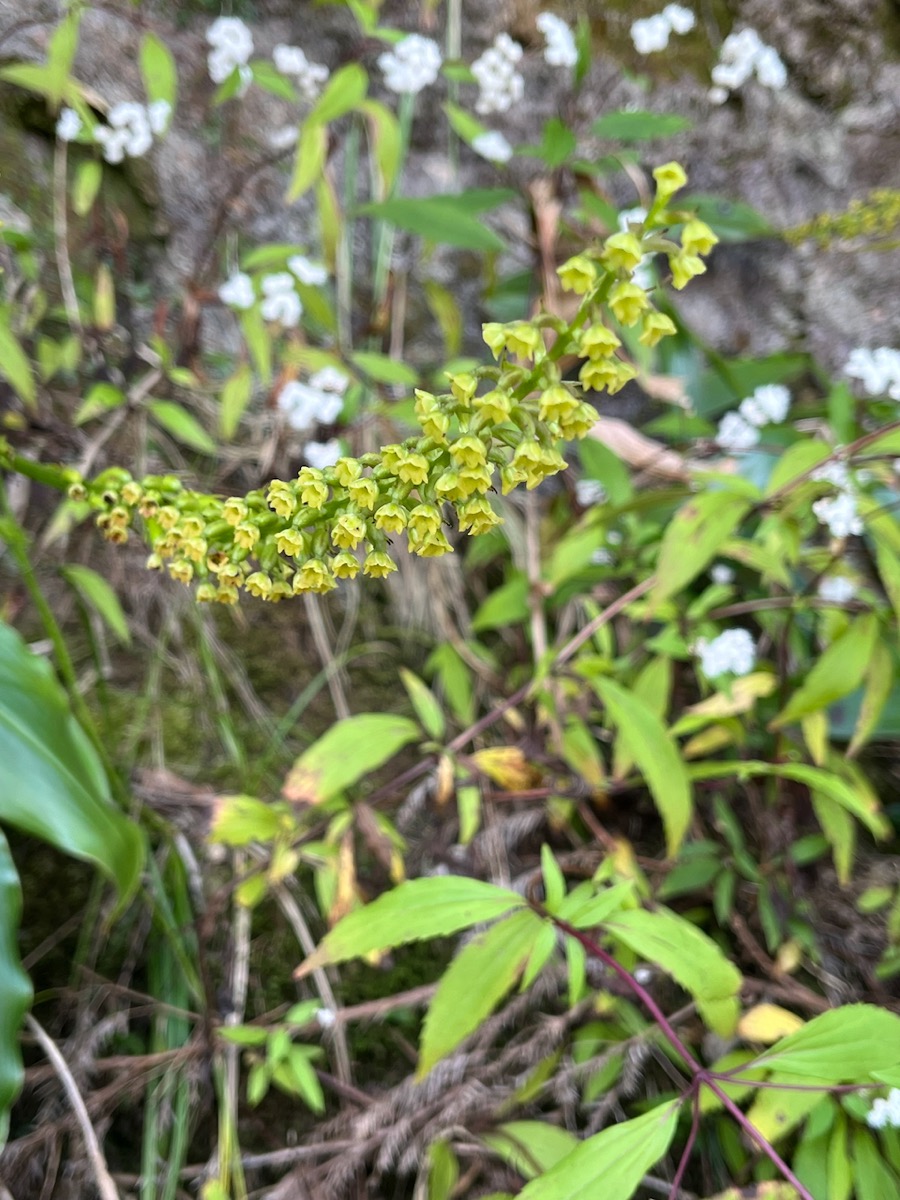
point(531, 1147)
point(694, 537)
point(475, 983)
point(845, 1045)
point(349, 750)
point(15, 988)
point(838, 672)
point(647, 741)
point(433, 906)
point(611, 1163)
point(687, 954)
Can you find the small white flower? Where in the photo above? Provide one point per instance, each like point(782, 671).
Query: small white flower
point(560, 50)
point(281, 302)
point(631, 216)
point(885, 1111)
point(770, 70)
point(305, 406)
point(837, 589)
point(158, 114)
point(835, 472)
point(651, 34)
point(322, 455)
point(732, 652)
point(743, 54)
point(643, 975)
point(308, 76)
point(284, 137)
point(325, 1018)
point(589, 492)
point(127, 132)
point(680, 19)
point(411, 65)
point(602, 558)
point(839, 514)
point(232, 44)
point(614, 537)
point(878, 370)
point(736, 434)
point(717, 95)
point(493, 146)
point(312, 273)
point(68, 126)
point(721, 574)
point(767, 406)
point(237, 291)
point(330, 379)
point(500, 84)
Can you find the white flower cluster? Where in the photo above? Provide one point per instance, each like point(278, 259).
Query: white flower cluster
point(493, 146)
point(322, 455)
point(652, 33)
point(732, 652)
point(742, 55)
point(836, 589)
point(318, 402)
point(767, 406)
point(237, 291)
point(721, 574)
point(838, 512)
point(308, 76)
point(281, 302)
point(232, 45)
point(130, 128)
point(69, 125)
point(312, 273)
point(500, 84)
point(560, 50)
point(885, 1112)
point(280, 299)
point(589, 492)
point(411, 65)
point(877, 370)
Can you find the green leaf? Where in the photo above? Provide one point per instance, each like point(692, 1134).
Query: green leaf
point(836, 673)
point(15, 987)
point(236, 394)
point(433, 906)
point(85, 185)
point(98, 595)
point(653, 749)
point(438, 219)
point(693, 538)
point(558, 142)
point(652, 687)
point(474, 984)
point(60, 56)
point(730, 220)
point(625, 126)
point(687, 954)
point(428, 710)
point(443, 1171)
point(384, 369)
point(844, 1045)
point(531, 1147)
point(505, 605)
point(158, 70)
point(14, 366)
point(258, 342)
point(184, 427)
point(873, 1177)
point(463, 124)
point(385, 138)
point(620, 1157)
point(266, 76)
point(879, 682)
point(101, 398)
point(52, 784)
point(244, 1035)
point(349, 750)
point(240, 820)
point(309, 163)
point(345, 90)
point(796, 461)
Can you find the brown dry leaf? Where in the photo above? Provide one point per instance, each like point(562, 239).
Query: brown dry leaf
point(346, 892)
point(641, 452)
point(443, 780)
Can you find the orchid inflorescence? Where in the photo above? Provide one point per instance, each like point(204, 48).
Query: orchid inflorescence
point(498, 424)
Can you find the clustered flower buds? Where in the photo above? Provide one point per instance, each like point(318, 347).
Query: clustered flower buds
point(501, 424)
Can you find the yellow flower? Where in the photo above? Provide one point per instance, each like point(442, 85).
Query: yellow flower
point(281, 498)
point(391, 517)
point(670, 178)
point(435, 425)
point(463, 387)
point(597, 341)
point(684, 267)
point(579, 422)
point(598, 374)
point(495, 406)
point(510, 478)
point(169, 516)
point(345, 566)
point(523, 340)
point(469, 450)
point(348, 531)
point(475, 479)
point(346, 470)
point(181, 570)
point(654, 327)
point(226, 593)
point(424, 520)
point(628, 301)
point(207, 592)
point(556, 402)
point(448, 487)
point(259, 584)
point(378, 565)
point(234, 510)
point(697, 237)
point(623, 251)
point(246, 535)
point(313, 576)
point(477, 517)
point(131, 493)
point(529, 458)
point(578, 274)
point(290, 542)
point(191, 526)
point(363, 492)
point(313, 489)
point(432, 546)
point(195, 549)
point(281, 589)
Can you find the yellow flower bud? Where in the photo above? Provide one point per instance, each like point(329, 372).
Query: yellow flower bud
point(578, 274)
point(363, 492)
point(697, 237)
point(654, 327)
point(597, 341)
point(684, 267)
point(623, 251)
point(313, 489)
point(463, 387)
point(670, 178)
point(628, 301)
point(378, 565)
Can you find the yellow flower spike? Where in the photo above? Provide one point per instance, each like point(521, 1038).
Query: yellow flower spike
point(578, 274)
point(684, 267)
point(696, 238)
point(494, 335)
point(345, 566)
point(670, 178)
point(556, 403)
point(628, 301)
point(234, 510)
point(246, 535)
point(654, 327)
point(463, 387)
point(469, 450)
point(181, 570)
point(363, 492)
point(477, 517)
point(391, 517)
point(259, 584)
point(290, 542)
point(346, 470)
point(597, 341)
point(313, 488)
point(623, 251)
point(348, 531)
point(495, 406)
point(378, 565)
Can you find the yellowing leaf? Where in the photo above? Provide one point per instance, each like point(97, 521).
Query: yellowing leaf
point(740, 697)
point(508, 767)
point(349, 750)
point(767, 1023)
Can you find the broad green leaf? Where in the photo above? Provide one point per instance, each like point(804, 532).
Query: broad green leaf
point(349, 750)
point(438, 219)
point(844, 1045)
point(244, 1035)
point(60, 56)
point(687, 954)
point(840, 831)
point(101, 398)
point(558, 142)
point(652, 687)
point(240, 820)
point(52, 784)
point(384, 369)
point(531, 1147)
point(14, 366)
point(797, 461)
point(625, 126)
point(433, 906)
point(15, 987)
point(474, 984)
point(836, 673)
point(345, 90)
point(266, 76)
point(384, 135)
point(873, 1178)
point(428, 710)
point(694, 537)
point(182, 425)
point(582, 754)
point(776, 1111)
point(505, 605)
point(258, 342)
point(652, 748)
point(158, 70)
point(443, 1171)
point(463, 124)
point(98, 595)
point(586, 908)
point(616, 1160)
point(236, 393)
point(309, 163)
point(880, 675)
point(86, 182)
